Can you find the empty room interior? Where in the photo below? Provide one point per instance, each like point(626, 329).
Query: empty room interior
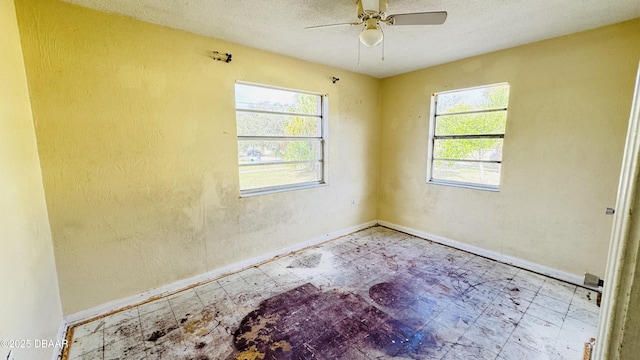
point(211, 180)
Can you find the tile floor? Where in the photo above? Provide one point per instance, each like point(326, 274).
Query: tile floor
point(374, 294)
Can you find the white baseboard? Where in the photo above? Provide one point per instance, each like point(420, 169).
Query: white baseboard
point(129, 301)
point(132, 300)
point(524, 264)
point(60, 338)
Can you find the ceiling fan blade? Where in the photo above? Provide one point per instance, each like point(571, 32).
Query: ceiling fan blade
point(383, 5)
point(423, 18)
point(333, 25)
point(370, 5)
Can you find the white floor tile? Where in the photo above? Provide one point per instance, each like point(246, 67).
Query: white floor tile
point(461, 305)
point(527, 280)
point(514, 350)
point(153, 306)
point(96, 326)
point(551, 303)
point(575, 333)
point(558, 290)
point(121, 317)
point(534, 333)
point(127, 329)
point(86, 344)
point(582, 314)
point(546, 314)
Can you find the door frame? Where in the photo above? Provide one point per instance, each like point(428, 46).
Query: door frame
point(623, 247)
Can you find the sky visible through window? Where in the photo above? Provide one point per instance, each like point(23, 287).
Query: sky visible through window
point(247, 95)
point(475, 98)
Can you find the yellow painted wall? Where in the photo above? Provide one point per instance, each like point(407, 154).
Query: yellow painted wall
point(29, 300)
point(136, 135)
point(137, 138)
point(567, 120)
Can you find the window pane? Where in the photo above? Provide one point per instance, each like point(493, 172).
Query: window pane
point(467, 172)
point(253, 177)
point(484, 98)
point(259, 124)
point(250, 97)
point(468, 149)
point(472, 124)
point(268, 151)
point(280, 137)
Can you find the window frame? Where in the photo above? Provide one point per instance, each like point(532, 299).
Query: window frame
point(323, 141)
point(433, 115)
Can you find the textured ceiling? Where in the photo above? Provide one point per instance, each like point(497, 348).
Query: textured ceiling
point(472, 27)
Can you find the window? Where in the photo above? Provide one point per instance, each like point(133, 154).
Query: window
point(466, 135)
point(281, 138)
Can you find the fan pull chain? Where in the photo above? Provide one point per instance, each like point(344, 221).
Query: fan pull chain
point(359, 52)
point(382, 45)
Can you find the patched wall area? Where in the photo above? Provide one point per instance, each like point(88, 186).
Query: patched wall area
point(136, 131)
point(567, 120)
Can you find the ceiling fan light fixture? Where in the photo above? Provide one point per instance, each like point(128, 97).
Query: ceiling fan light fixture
point(371, 36)
point(373, 13)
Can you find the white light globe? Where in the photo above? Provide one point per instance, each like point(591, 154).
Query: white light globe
point(371, 37)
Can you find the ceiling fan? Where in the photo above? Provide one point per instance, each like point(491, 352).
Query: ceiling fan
point(372, 13)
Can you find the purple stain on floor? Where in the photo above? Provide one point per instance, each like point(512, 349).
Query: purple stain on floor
point(421, 312)
point(391, 295)
point(307, 323)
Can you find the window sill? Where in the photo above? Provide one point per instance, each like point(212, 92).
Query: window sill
point(464, 185)
point(251, 193)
